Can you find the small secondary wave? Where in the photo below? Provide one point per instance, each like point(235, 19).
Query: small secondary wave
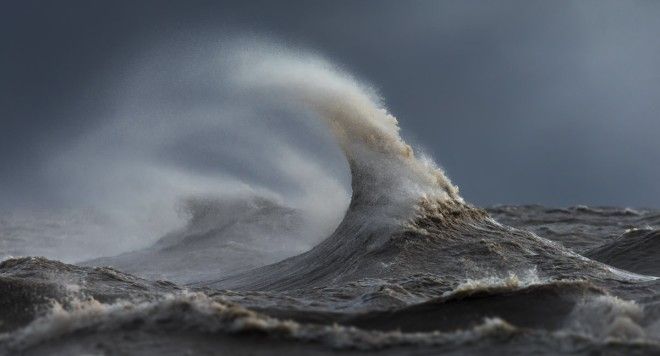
point(635, 251)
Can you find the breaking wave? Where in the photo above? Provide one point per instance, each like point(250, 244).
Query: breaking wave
point(387, 178)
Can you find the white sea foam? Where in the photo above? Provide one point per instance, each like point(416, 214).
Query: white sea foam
point(511, 281)
point(196, 311)
point(608, 318)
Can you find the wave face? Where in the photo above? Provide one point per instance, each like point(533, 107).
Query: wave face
point(405, 215)
point(411, 267)
point(635, 251)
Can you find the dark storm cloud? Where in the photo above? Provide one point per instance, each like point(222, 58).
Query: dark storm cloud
point(528, 101)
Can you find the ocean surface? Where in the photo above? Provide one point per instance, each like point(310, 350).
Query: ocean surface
point(575, 280)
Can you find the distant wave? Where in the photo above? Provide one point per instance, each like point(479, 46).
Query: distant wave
point(636, 251)
point(221, 237)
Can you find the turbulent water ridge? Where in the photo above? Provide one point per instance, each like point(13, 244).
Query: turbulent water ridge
point(412, 268)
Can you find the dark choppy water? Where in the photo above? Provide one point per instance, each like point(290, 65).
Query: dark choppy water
point(469, 286)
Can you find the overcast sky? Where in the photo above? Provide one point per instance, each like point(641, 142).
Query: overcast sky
point(549, 102)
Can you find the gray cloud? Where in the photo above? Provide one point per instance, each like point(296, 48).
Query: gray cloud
point(521, 101)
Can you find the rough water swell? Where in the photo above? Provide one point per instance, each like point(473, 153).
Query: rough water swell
point(405, 215)
point(411, 268)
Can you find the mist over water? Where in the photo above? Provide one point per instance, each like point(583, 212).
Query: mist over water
point(232, 121)
point(186, 126)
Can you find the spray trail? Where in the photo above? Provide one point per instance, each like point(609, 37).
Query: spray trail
point(387, 178)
